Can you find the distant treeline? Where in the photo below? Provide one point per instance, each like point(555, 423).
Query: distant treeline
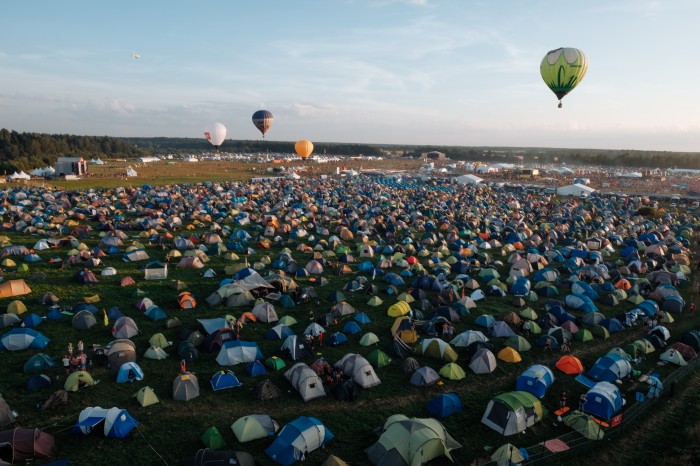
point(166, 145)
point(25, 151)
point(615, 158)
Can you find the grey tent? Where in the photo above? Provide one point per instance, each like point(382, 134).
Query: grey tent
point(424, 376)
point(305, 381)
point(185, 386)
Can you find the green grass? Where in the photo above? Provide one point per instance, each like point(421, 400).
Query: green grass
point(172, 428)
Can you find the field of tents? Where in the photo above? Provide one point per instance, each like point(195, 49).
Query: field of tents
point(335, 321)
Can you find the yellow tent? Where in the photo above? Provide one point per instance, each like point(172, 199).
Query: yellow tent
point(17, 307)
point(508, 354)
point(399, 309)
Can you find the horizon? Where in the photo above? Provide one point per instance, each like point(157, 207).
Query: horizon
point(424, 72)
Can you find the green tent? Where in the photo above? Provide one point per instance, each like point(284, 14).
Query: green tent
point(584, 425)
point(212, 438)
point(253, 427)
point(518, 343)
point(275, 363)
point(584, 335)
point(378, 358)
point(77, 380)
point(507, 455)
point(452, 371)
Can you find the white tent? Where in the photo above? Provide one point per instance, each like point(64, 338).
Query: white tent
point(468, 180)
point(575, 190)
point(131, 172)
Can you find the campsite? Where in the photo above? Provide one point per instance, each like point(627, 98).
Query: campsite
point(432, 307)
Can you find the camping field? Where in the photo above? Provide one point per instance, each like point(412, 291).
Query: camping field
point(170, 430)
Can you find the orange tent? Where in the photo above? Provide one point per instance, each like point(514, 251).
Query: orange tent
point(570, 365)
point(13, 288)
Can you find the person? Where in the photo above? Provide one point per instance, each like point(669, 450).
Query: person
point(692, 309)
point(320, 339)
point(562, 400)
point(81, 346)
point(66, 363)
point(581, 401)
point(70, 348)
point(167, 258)
point(183, 366)
point(83, 361)
point(565, 348)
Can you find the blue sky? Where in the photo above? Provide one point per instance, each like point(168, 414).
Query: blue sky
point(446, 72)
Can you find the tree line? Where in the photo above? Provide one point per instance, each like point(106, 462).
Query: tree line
point(26, 151)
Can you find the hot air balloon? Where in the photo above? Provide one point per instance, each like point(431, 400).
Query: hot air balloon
point(562, 69)
point(304, 148)
point(262, 119)
point(215, 134)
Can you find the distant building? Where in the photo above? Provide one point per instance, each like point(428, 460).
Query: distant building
point(433, 155)
point(71, 166)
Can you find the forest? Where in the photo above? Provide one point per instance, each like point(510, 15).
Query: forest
point(26, 151)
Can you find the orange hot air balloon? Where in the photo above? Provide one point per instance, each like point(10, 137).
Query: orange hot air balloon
point(304, 148)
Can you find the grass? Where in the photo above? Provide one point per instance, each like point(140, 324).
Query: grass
point(169, 431)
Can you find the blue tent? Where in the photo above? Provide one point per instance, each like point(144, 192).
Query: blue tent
point(114, 313)
point(520, 287)
point(223, 380)
point(255, 369)
point(117, 423)
point(129, 372)
point(54, 314)
point(337, 338)
point(32, 320)
point(22, 338)
point(39, 363)
point(536, 380)
point(445, 404)
point(485, 320)
point(351, 328)
point(155, 313)
point(37, 382)
point(609, 368)
point(279, 332)
point(604, 400)
point(302, 435)
point(362, 318)
point(85, 307)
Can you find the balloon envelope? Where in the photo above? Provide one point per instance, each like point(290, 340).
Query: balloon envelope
point(262, 119)
point(304, 148)
point(215, 134)
point(562, 69)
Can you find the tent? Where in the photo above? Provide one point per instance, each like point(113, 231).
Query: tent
point(253, 427)
point(6, 415)
point(411, 441)
point(483, 362)
point(305, 381)
point(450, 371)
point(212, 438)
point(124, 327)
point(83, 320)
point(445, 404)
point(129, 372)
point(115, 422)
point(609, 368)
point(359, 370)
point(11, 288)
point(209, 457)
point(77, 380)
point(507, 455)
point(146, 397)
point(237, 352)
point(22, 338)
point(39, 363)
point(536, 380)
point(119, 352)
point(185, 387)
point(512, 412)
point(604, 400)
point(296, 347)
point(26, 444)
point(437, 348)
point(424, 376)
point(569, 365)
point(584, 425)
point(298, 438)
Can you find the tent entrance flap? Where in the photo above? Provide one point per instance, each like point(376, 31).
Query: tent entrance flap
point(88, 425)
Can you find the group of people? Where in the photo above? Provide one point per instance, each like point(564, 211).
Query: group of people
point(75, 358)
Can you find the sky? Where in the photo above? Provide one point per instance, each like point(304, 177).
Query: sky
point(426, 72)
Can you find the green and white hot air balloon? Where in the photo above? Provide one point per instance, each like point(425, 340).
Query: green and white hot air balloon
point(562, 69)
